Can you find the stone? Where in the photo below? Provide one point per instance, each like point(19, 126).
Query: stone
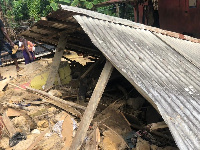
point(42, 124)
point(21, 124)
point(35, 131)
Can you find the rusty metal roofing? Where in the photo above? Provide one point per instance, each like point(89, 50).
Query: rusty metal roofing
point(159, 63)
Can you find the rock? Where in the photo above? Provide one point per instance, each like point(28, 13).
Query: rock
point(35, 131)
point(142, 144)
point(42, 124)
point(21, 124)
point(37, 111)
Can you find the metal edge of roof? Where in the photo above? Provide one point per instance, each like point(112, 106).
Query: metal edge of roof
point(182, 126)
point(98, 15)
point(128, 23)
point(188, 49)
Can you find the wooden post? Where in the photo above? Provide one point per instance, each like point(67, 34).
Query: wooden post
point(56, 62)
point(92, 105)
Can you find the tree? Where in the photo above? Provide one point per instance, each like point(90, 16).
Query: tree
point(18, 11)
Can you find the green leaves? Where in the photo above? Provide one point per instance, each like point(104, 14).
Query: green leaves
point(66, 1)
point(18, 11)
point(54, 6)
point(89, 5)
point(75, 3)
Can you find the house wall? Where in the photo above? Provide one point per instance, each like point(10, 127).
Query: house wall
point(176, 15)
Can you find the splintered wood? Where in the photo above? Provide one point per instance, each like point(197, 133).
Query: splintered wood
point(93, 139)
point(8, 124)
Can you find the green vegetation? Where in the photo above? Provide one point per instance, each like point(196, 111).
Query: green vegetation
point(18, 11)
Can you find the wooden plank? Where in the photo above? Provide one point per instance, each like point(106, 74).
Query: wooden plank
point(12, 112)
point(92, 105)
point(3, 83)
point(8, 124)
point(67, 132)
point(56, 62)
point(54, 98)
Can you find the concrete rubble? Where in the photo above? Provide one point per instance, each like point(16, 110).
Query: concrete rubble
point(49, 120)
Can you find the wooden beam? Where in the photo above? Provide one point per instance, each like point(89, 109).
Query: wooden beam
point(53, 98)
point(92, 105)
point(8, 124)
point(56, 62)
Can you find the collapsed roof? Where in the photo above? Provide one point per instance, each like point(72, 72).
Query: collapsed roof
point(162, 65)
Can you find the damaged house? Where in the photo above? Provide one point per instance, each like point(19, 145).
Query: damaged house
point(163, 66)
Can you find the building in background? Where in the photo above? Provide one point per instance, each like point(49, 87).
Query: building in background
point(180, 16)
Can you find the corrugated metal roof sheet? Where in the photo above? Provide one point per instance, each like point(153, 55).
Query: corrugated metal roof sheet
point(188, 49)
point(97, 15)
point(156, 69)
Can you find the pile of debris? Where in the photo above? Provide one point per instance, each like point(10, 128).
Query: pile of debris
point(31, 118)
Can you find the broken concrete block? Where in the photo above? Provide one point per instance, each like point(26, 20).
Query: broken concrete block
point(35, 131)
point(21, 124)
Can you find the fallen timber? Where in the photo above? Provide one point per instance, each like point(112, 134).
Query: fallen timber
point(66, 105)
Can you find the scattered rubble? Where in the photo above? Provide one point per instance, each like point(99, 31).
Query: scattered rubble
point(50, 119)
